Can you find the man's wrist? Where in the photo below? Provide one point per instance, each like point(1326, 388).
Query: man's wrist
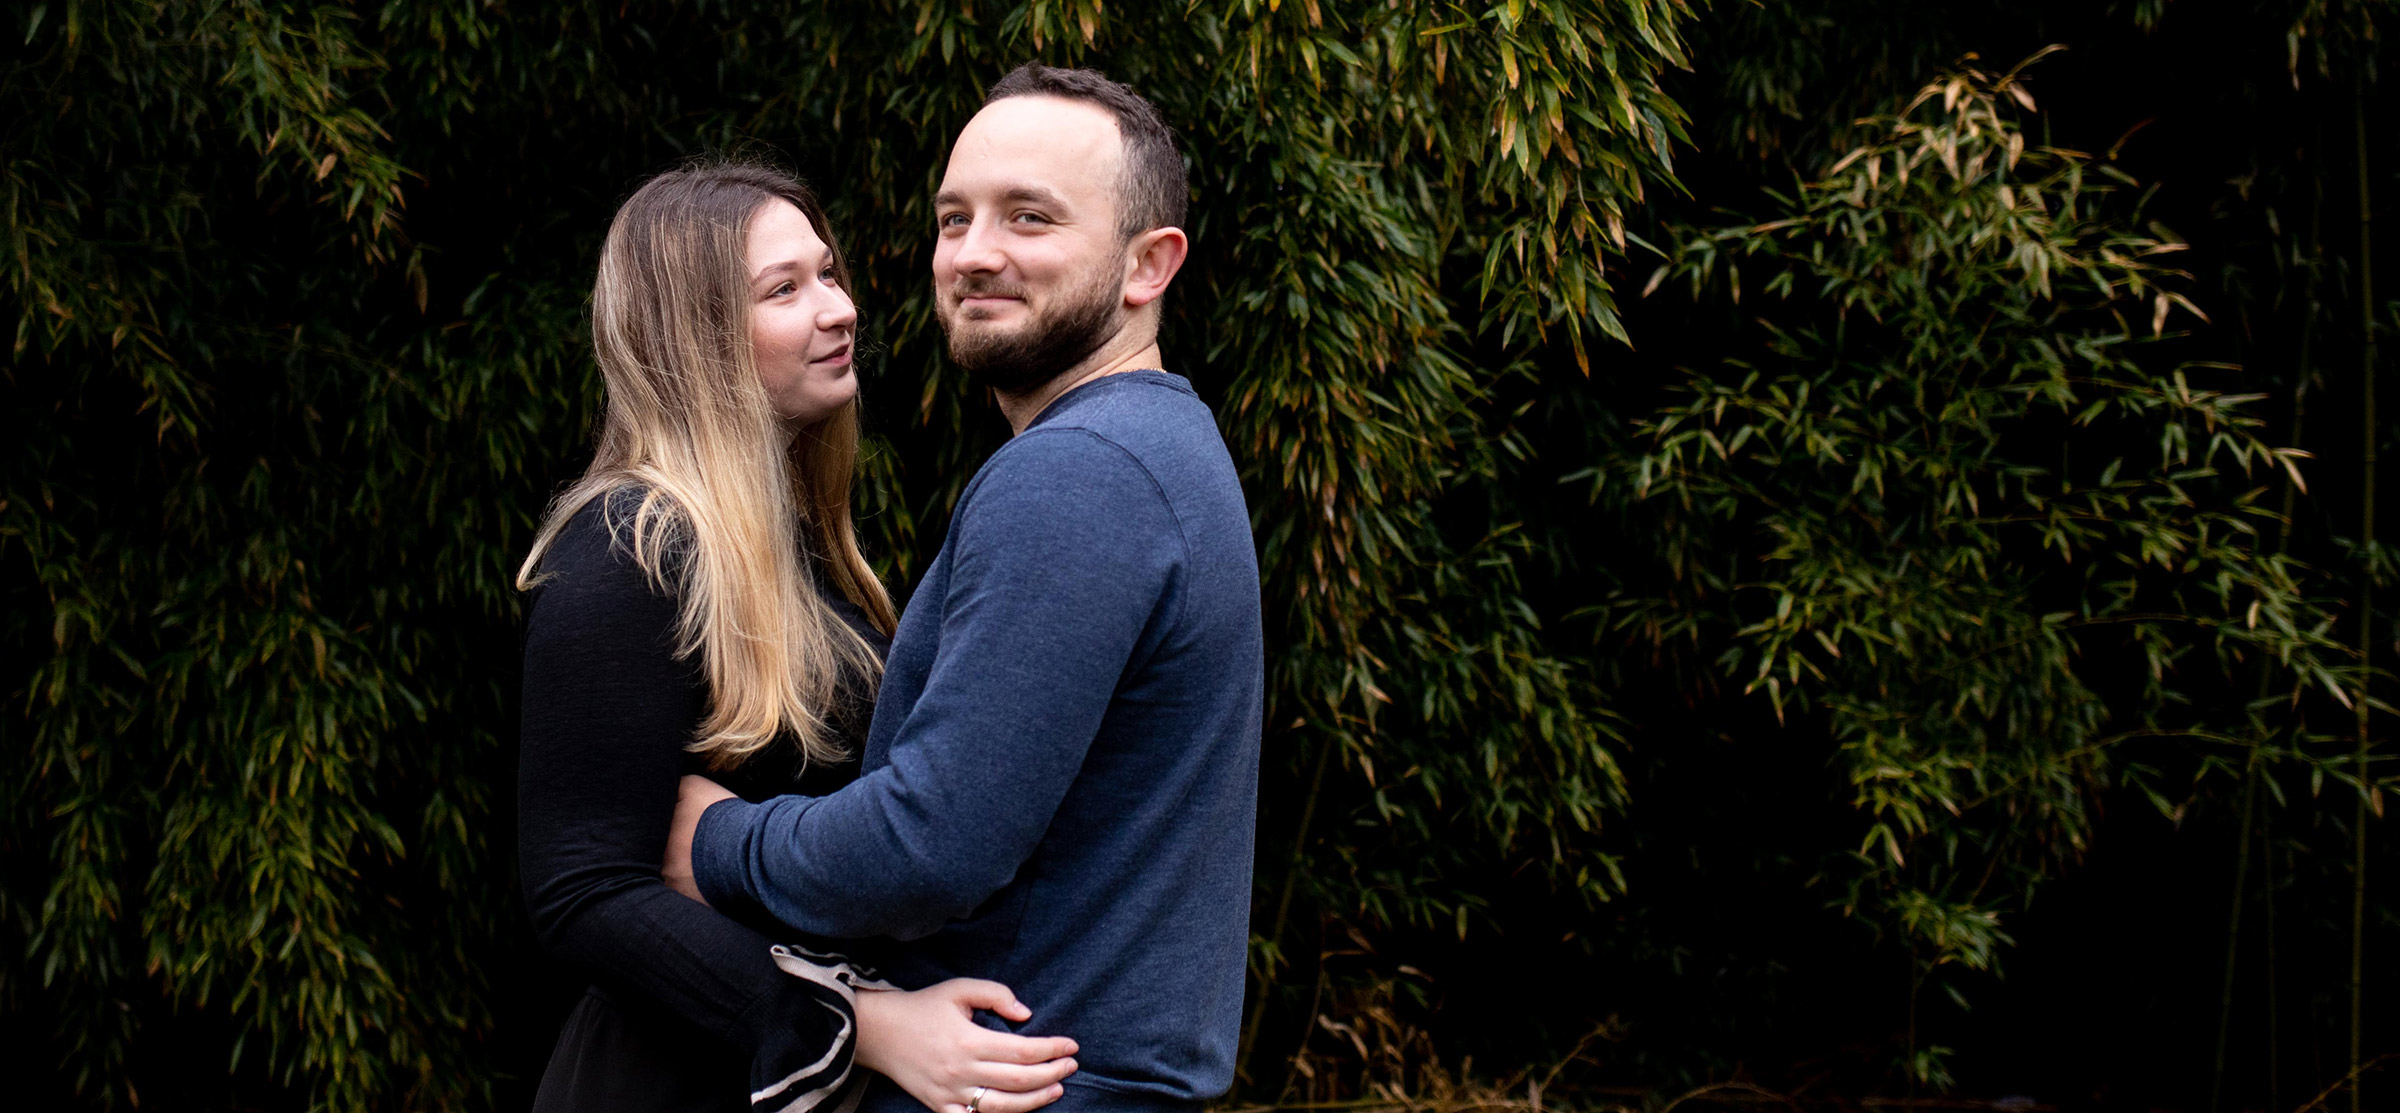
point(717, 854)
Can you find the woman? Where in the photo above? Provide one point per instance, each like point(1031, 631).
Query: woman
point(699, 604)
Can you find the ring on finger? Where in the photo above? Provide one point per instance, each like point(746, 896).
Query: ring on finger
point(975, 1098)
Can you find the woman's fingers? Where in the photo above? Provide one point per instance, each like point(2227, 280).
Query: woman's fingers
point(977, 993)
point(1019, 1079)
point(1012, 1101)
point(1001, 1047)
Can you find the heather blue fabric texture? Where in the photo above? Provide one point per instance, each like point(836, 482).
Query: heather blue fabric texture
point(1060, 784)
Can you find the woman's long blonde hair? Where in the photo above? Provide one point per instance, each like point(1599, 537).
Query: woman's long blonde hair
point(725, 487)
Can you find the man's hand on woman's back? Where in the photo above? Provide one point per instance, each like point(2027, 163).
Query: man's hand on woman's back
point(693, 795)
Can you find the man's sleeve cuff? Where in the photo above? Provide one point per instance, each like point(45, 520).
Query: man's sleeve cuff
point(717, 852)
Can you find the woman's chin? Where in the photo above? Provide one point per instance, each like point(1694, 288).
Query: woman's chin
point(817, 410)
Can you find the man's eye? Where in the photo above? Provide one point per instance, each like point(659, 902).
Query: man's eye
point(1031, 218)
point(953, 220)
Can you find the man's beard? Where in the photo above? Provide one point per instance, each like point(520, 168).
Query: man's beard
point(1045, 347)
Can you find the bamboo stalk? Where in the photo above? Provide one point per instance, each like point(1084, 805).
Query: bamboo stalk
point(2266, 857)
point(1916, 983)
point(1283, 909)
point(2303, 380)
point(2311, 307)
point(2233, 929)
point(2366, 590)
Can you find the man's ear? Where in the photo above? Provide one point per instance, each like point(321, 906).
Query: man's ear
point(1152, 260)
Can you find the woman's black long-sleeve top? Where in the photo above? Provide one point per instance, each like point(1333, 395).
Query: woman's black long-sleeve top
point(686, 1003)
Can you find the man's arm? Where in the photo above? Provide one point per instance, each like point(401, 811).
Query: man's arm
point(1062, 555)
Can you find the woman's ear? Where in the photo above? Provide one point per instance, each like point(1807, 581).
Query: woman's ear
point(1152, 259)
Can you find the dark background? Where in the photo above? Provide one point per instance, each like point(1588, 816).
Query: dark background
point(278, 441)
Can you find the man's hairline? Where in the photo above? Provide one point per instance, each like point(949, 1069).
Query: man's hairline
point(1124, 153)
point(1116, 122)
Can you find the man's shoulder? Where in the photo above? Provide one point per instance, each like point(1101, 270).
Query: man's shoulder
point(1145, 444)
point(1063, 471)
point(1128, 402)
point(1153, 419)
point(1060, 450)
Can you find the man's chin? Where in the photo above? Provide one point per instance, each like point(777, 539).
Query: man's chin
point(1004, 376)
point(982, 326)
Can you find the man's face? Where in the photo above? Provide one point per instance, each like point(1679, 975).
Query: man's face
point(1029, 272)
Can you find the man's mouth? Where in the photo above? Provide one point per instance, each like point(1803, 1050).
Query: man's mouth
point(984, 295)
point(984, 307)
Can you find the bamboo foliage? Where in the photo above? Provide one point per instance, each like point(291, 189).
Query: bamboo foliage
point(2332, 39)
point(297, 295)
point(194, 769)
point(1948, 486)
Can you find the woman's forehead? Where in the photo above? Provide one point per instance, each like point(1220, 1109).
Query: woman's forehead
point(781, 233)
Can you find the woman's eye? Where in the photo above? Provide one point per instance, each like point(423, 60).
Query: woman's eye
point(829, 278)
point(780, 290)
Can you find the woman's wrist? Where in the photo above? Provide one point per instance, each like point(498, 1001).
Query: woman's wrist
point(869, 1006)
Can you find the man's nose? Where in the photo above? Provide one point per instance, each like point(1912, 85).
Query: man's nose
point(978, 250)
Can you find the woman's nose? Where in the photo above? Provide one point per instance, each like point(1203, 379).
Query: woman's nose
point(839, 314)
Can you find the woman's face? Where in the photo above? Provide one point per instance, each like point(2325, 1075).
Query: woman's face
point(801, 321)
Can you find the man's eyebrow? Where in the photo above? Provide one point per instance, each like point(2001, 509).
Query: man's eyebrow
point(1034, 194)
point(1037, 195)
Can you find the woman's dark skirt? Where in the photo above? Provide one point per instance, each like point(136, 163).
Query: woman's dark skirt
point(617, 1059)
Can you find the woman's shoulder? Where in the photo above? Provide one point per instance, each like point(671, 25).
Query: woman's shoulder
point(855, 617)
point(610, 545)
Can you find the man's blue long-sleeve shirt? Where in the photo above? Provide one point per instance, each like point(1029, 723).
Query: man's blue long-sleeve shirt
point(1060, 785)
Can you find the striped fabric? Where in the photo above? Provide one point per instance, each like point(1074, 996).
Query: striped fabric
point(827, 1084)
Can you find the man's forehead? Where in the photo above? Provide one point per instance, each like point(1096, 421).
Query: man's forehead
point(1058, 141)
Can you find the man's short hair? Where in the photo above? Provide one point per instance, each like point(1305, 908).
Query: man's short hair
point(1151, 189)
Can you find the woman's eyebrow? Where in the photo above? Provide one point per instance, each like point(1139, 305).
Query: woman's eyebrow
point(773, 269)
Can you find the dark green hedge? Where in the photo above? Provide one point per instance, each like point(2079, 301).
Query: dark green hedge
point(1941, 486)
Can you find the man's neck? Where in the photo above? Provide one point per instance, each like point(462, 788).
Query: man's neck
point(1021, 409)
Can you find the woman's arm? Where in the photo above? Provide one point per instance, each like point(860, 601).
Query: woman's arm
point(606, 711)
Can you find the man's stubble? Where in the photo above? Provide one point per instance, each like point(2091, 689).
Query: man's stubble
point(1019, 362)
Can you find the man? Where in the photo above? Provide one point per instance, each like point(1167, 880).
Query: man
point(1059, 789)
